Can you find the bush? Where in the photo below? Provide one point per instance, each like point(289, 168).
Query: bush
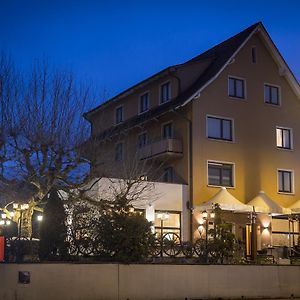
point(125, 236)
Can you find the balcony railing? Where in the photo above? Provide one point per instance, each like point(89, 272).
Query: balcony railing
point(166, 148)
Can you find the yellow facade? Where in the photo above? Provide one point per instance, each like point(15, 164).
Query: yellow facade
point(253, 151)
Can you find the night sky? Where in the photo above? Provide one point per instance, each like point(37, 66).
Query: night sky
point(115, 44)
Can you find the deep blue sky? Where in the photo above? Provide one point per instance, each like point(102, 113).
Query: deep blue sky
point(118, 43)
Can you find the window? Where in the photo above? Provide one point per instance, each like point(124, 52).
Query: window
point(168, 175)
point(144, 102)
point(165, 92)
point(253, 54)
point(167, 131)
point(218, 128)
point(284, 138)
point(142, 140)
point(119, 152)
point(285, 179)
point(220, 174)
point(166, 222)
point(236, 87)
point(119, 114)
point(271, 94)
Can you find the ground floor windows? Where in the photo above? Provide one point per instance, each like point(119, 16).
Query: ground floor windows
point(285, 181)
point(167, 222)
point(220, 174)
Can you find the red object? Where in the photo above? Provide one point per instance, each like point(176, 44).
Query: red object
point(2, 245)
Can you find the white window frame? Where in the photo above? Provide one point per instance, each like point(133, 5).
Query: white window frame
point(170, 92)
point(292, 183)
point(279, 94)
point(224, 118)
point(291, 138)
point(221, 162)
point(119, 106)
point(139, 104)
point(245, 87)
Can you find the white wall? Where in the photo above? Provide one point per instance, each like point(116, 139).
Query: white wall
point(114, 281)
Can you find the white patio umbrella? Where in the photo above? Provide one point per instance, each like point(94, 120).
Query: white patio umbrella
point(295, 207)
point(264, 204)
point(226, 202)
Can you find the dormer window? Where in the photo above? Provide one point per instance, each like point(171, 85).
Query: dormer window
point(119, 114)
point(165, 92)
point(144, 102)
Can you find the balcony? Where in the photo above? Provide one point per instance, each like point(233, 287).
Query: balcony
point(162, 149)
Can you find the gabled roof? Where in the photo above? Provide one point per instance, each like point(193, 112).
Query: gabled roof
point(219, 57)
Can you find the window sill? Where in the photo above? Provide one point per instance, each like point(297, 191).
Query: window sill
point(285, 149)
point(243, 99)
point(162, 103)
point(143, 112)
point(272, 105)
point(221, 140)
point(286, 193)
point(220, 186)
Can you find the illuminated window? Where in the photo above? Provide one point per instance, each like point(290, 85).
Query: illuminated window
point(284, 138)
point(167, 222)
point(144, 102)
point(165, 92)
point(218, 128)
point(285, 181)
point(119, 114)
point(236, 87)
point(271, 94)
point(119, 152)
point(220, 174)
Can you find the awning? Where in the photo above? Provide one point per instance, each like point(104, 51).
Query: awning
point(264, 204)
point(226, 202)
point(295, 207)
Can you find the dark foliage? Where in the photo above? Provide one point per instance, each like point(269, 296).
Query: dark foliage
point(53, 230)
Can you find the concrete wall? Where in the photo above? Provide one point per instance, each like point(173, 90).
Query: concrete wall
point(114, 281)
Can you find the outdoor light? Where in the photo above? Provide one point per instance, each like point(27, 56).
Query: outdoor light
point(204, 215)
point(40, 218)
point(8, 222)
point(212, 215)
point(12, 214)
point(15, 205)
point(201, 227)
point(3, 216)
point(131, 209)
point(24, 206)
point(2, 222)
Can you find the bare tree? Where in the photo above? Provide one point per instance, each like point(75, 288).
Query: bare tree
point(42, 133)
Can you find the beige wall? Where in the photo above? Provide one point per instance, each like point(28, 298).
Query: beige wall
point(253, 151)
point(114, 281)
